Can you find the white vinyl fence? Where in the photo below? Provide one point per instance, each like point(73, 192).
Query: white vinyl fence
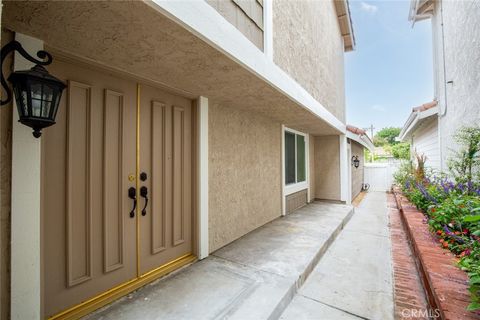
point(380, 175)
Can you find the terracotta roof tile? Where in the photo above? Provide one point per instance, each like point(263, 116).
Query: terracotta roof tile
point(356, 130)
point(425, 106)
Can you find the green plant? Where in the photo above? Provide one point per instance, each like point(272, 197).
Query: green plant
point(386, 136)
point(471, 264)
point(456, 222)
point(404, 173)
point(401, 151)
point(466, 161)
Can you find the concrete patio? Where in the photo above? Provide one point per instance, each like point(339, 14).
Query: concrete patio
point(255, 277)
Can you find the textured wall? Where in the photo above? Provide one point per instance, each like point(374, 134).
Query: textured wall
point(357, 174)
point(244, 173)
point(308, 45)
point(245, 15)
point(462, 66)
point(327, 168)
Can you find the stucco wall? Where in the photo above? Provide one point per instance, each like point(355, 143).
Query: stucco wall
point(461, 21)
point(244, 173)
point(327, 168)
point(357, 173)
point(307, 44)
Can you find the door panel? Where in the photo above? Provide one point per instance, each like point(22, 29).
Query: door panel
point(79, 188)
point(89, 240)
point(166, 157)
point(160, 161)
point(113, 190)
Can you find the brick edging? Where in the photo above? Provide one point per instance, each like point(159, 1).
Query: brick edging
point(446, 286)
point(409, 293)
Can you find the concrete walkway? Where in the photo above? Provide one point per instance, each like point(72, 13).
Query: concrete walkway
point(354, 278)
point(255, 277)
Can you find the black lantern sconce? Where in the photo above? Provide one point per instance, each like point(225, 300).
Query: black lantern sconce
point(37, 93)
point(355, 162)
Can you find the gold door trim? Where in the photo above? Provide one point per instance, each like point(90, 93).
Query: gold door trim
point(115, 293)
point(137, 180)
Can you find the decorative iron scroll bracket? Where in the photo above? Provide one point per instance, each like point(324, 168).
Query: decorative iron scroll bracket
point(46, 59)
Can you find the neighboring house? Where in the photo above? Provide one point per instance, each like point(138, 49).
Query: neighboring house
point(456, 66)
point(358, 141)
point(233, 110)
point(421, 131)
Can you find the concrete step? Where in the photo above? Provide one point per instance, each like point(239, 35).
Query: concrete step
point(254, 277)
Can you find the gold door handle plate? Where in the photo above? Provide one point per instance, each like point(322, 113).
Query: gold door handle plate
point(131, 177)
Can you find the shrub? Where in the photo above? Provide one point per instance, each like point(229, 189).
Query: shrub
point(403, 173)
point(464, 166)
point(401, 151)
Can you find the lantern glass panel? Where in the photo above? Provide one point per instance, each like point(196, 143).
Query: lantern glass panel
point(21, 96)
point(36, 92)
point(42, 97)
point(47, 100)
point(55, 103)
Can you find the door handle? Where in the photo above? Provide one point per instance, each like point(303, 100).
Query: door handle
point(132, 194)
point(144, 194)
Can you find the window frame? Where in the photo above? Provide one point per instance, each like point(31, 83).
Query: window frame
point(297, 186)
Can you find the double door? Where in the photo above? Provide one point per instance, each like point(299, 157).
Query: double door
point(116, 187)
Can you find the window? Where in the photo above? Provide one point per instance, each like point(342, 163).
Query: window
point(295, 158)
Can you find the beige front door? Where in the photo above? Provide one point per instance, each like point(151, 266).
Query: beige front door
point(92, 239)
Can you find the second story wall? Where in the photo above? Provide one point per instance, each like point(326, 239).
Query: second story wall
point(456, 58)
point(307, 44)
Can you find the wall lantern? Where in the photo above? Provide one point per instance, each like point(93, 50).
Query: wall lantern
point(355, 162)
point(37, 93)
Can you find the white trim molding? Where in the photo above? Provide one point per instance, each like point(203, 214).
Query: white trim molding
point(349, 171)
point(268, 28)
point(203, 246)
point(25, 227)
point(345, 194)
point(284, 210)
point(299, 186)
point(205, 22)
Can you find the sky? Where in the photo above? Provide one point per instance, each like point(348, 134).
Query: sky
point(390, 70)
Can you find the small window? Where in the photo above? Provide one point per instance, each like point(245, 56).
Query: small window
point(290, 158)
point(295, 158)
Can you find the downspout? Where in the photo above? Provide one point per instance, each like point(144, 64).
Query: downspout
point(444, 111)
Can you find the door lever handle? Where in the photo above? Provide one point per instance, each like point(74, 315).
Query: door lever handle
point(132, 194)
point(144, 194)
